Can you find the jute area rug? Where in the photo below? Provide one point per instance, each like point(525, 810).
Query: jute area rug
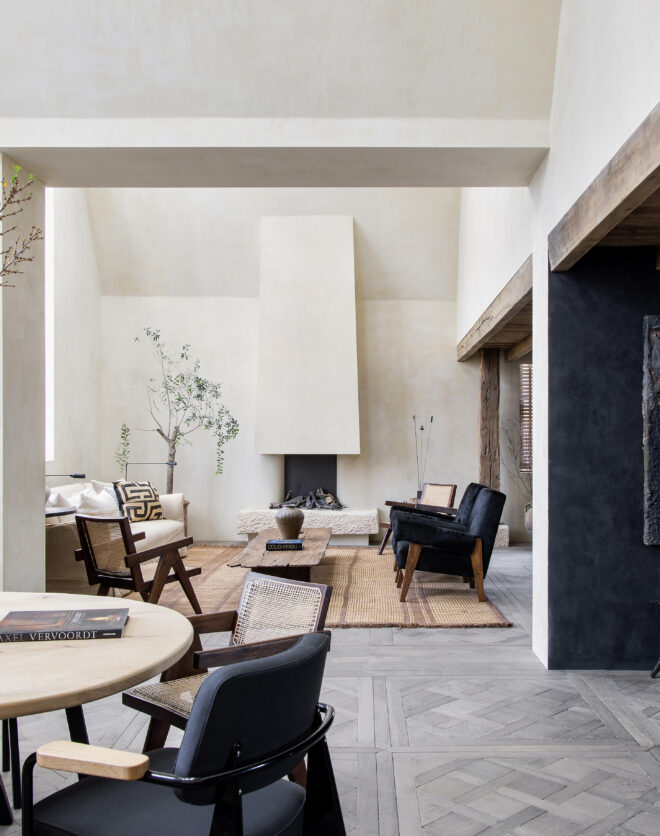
point(364, 593)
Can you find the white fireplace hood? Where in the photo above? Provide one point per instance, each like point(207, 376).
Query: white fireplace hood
point(307, 383)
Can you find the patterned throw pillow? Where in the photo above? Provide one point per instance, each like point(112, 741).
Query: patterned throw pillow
point(139, 501)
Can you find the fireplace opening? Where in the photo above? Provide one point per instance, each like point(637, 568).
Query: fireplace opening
point(310, 481)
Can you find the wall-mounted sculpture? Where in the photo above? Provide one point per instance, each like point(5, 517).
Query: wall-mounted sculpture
point(651, 433)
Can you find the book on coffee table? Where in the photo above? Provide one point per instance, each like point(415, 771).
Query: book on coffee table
point(62, 625)
point(284, 545)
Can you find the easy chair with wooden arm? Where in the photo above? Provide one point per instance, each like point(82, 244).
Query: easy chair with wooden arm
point(272, 612)
point(428, 544)
point(435, 497)
point(112, 561)
point(250, 724)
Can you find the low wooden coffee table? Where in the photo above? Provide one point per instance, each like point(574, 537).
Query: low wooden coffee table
point(295, 565)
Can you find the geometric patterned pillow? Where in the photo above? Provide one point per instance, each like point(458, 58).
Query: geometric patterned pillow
point(139, 501)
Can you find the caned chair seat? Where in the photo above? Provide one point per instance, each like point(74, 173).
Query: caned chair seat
point(270, 609)
point(177, 695)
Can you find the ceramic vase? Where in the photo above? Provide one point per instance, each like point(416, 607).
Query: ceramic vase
point(289, 521)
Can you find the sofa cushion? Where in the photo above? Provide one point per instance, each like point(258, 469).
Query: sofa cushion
point(103, 504)
point(139, 501)
point(157, 533)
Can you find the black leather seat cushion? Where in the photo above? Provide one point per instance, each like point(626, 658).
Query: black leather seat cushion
point(100, 807)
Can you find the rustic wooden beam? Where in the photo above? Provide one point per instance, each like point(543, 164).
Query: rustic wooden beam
point(509, 301)
point(630, 177)
point(519, 350)
point(489, 418)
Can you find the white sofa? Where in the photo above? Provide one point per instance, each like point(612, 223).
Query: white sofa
point(65, 574)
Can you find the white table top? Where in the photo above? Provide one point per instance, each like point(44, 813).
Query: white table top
point(43, 676)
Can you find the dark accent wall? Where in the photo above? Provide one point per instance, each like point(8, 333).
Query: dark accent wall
point(303, 474)
point(602, 578)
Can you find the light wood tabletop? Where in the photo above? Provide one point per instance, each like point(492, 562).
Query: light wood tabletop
point(43, 676)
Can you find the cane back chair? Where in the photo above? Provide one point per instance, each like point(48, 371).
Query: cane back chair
point(434, 496)
point(272, 614)
point(112, 561)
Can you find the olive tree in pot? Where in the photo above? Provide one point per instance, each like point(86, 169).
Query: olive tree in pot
point(181, 401)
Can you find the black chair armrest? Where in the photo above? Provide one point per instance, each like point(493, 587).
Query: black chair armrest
point(427, 531)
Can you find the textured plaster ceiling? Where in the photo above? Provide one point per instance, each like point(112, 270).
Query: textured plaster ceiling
point(491, 59)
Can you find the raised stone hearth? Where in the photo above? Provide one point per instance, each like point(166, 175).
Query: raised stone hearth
point(349, 526)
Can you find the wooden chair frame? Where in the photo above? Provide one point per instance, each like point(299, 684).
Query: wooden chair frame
point(404, 577)
point(196, 661)
point(170, 566)
point(448, 510)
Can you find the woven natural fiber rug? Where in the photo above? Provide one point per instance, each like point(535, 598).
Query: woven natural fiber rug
point(364, 593)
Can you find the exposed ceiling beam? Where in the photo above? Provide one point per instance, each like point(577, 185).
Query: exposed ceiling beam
point(631, 176)
point(513, 300)
point(519, 350)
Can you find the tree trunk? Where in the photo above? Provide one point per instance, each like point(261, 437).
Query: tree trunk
point(171, 457)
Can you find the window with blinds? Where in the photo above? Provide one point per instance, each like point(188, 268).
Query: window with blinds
point(526, 416)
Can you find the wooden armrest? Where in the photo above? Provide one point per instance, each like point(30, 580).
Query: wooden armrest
point(245, 652)
point(92, 760)
point(149, 554)
point(213, 622)
point(400, 502)
point(438, 509)
point(140, 535)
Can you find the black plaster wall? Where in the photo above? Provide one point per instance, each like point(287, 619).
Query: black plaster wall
point(602, 578)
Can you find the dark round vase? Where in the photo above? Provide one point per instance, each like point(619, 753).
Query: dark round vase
point(289, 521)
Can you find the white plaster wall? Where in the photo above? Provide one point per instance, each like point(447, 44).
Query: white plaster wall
point(407, 366)
point(77, 339)
point(405, 238)
point(307, 385)
point(607, 80)
point(22, 410)
point(501, 221)
point(405, 261)
point(489, 58)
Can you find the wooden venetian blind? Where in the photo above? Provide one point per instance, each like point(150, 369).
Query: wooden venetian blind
point(526, 417)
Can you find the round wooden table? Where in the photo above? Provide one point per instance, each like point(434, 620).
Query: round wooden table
point(43, 676)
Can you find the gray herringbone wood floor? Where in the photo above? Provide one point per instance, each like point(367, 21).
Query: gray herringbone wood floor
point(464, 732)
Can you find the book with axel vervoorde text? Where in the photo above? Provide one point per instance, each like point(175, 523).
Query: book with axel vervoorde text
point(62, 625)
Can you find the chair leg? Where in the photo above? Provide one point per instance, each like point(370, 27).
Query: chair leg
point(466, 579)
point(15, 758)
point(471, 582)
point(103, 589)
point(298, 775)
point(414, 550)
point(384, 540)
point(156, 735)
point(322, 812)
point(478, 569)
point(160, 576)
point(5, 745)
point(399, 578)
point(395, 568)
point(75, 719)
point(184, 580)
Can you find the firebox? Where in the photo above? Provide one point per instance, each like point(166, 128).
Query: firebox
point(303, 474)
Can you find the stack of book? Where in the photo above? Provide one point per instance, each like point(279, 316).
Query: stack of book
point(284, 545)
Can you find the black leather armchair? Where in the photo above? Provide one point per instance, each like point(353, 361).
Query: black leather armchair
point(250, 724)
point(431, 544)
